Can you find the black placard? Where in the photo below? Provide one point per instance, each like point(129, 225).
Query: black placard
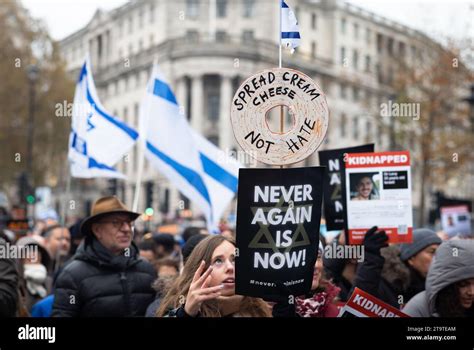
point(278, 216)
point(333, 183)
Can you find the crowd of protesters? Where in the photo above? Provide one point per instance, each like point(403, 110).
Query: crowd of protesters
point(100, 267)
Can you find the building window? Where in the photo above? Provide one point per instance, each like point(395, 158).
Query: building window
point(130, 24)
point(355, 128)
point(368, 128)
point(343, 55)
point(248, 9)
point(355, 59)
point(120, 29)
point(368, 98)
point(401, 49)
point(221, 36)
point(379, 73)
point(379, 133)
point(343, 26)
point(152, 39)
point(152, 13)
point(125, 84)
point(367, 63)
point(140, 45)
point(136, 112)
point(313, 49)
point(368, 35)
point(379, 43)
point(248, 35)
point(355, 93)
point(343, 125)
point(192, 35)
point(125, 114)
point(343, 90)
point(314, 21)
point(192, 8)
point(221, 8)
point(213, 103)
point(140, 19)
point(390, 46)
point(356, 31)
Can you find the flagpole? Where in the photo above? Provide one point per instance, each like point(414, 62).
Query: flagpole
point(141, 147)
point(280, 53)
point(141, 160)
point(63, 217)
point(280, 66)
point(138, 183)
point(66, 197)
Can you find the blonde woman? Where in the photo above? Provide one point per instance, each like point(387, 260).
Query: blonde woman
point(206, 287)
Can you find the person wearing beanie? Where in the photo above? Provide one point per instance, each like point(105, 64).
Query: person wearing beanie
point(449, 283)
point(190, 244)
point(417, 256)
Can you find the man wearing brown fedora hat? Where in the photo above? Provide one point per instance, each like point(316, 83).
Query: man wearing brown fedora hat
point(107, 277)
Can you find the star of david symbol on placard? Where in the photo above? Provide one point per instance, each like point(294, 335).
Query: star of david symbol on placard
point(264, 232)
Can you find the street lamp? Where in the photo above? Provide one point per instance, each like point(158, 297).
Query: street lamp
point(32, 73)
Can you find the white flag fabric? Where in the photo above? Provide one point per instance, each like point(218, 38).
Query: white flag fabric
point(290, 32)
point(98, 140)
point(197, 168)
point(221, 174)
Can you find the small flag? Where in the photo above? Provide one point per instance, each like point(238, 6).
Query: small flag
point(290, 32)
point(97, 140)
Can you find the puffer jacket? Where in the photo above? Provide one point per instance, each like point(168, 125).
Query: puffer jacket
point(453, 262)
point(98, 284)
point(8, 284)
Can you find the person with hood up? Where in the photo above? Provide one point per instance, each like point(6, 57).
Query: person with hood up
point(107, 277)
point(449, 283)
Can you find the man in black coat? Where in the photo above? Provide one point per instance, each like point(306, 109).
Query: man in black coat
point(107, 277)
point(8, 283)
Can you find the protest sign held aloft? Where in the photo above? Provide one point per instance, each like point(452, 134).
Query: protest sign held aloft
point(278, 216)
point(362, 304)
point(378, 193)
point(456, 220)
point(272, 88)
point(334, 202)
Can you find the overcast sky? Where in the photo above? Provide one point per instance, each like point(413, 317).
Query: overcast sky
point(453, 18)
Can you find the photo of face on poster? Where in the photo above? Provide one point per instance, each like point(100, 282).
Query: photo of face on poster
point(365, 186)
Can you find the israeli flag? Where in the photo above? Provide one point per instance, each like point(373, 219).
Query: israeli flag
point(290, 31)
point(220, 175)
point(201, 171)
point(98, 140)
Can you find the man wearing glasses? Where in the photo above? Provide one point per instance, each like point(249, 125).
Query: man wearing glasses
point(107, 277)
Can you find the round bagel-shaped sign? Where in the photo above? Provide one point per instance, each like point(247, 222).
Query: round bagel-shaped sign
point(272, 88)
